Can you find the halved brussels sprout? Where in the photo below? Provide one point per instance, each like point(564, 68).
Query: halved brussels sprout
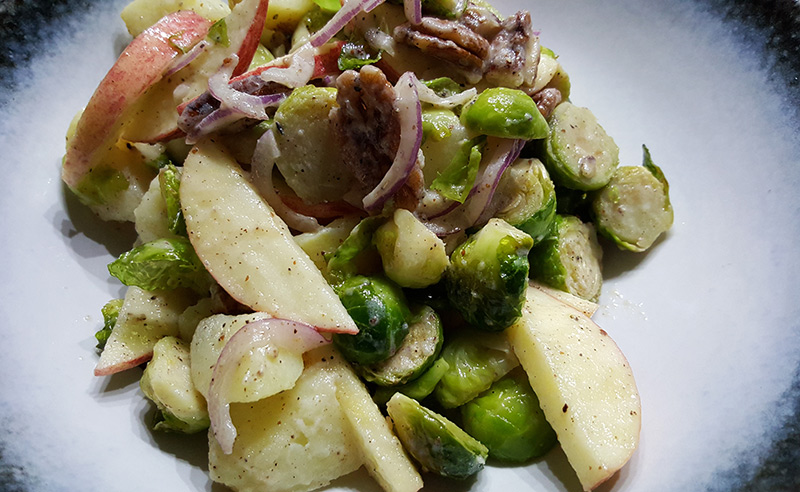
point(579, 153)
point(439, 445)
point(488, 275)
point(505, 113)
point(633, 209)
point(507, 419)
point(416, 354)
point(418, 389)
point(475, 362)
point(379, 309)
point(526, 198)
point(570, 259)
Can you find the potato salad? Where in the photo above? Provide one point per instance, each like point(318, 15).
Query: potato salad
point(370, 234)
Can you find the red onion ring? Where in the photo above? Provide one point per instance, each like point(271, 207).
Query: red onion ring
point(187, 58)
point(349, 10)
point(276, 333)
point(427, 95)
point(409, 112)
point(264, 156)
point(298, 73)
point(413, 11)
point(474, 209)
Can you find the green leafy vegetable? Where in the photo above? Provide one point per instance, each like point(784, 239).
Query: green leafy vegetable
point(110, 314)
point(218, 33)
point(163, 264)
point(354, 56)
point(457, 179)
point(169, 180)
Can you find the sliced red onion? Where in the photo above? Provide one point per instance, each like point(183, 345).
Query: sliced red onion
point(349, 10)
point(217, 119)
point(409, 112)
point(187, 58)
point(219, 86)
point(474, 209)
point(299, 71)
point(264, 157)
point(413, 11)
point(428, 95)
point(380, 40)
point(277, 334)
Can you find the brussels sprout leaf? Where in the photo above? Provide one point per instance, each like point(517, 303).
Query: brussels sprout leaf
point(456, 181)
point(163, 264)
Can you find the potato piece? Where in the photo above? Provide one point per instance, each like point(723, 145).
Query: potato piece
point(144, 318)
point(384, 456)
point(248, 249)
point(167, 382)
point(297, 440)
point(141, 14)
point(584, 384)
point(209, 339)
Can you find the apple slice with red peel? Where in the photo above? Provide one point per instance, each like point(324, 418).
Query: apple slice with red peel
point(155, 118)
point(248, 249)
point(584, 384)
point(144, 319)
point(140, 66)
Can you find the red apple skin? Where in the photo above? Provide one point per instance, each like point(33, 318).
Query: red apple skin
point(155, 118)
point(141, 65)
point(252, 38)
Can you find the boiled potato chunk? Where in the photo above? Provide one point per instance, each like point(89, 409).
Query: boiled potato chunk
point(208, 341)
point(584, 384)
point(297, 440)
point(248, 249)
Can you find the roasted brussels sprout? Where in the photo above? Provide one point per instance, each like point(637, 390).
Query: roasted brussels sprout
point(507, 419)
point(633, 209)
point(526, 198)
point(505, 113)
point(162, 264)
point(579, 153)
point(169, 180)
point(439, 445)
point(379, 309)
point(356, 253)
point(417, 389)
point(488, 275)
point(110, 314)
point(475, 362)
point(419, 349)
point(412, 255)
point(570, 259)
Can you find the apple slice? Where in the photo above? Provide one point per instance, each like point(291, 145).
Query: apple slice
point(384, 456)
point(248, 249)
point(144, 318)
point(140, 66)
point(584, 384)
point(155, 117)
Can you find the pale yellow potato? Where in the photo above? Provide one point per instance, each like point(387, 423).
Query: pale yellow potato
point(297, 440)
point(283, 15)
point(144, 318)
point(167, 381)
point(384, 456)
point(248, 249)
point(584, 384)
point(141, 14)
point(208, 341)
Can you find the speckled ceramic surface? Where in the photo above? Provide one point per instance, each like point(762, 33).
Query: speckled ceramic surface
point(708, 319)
